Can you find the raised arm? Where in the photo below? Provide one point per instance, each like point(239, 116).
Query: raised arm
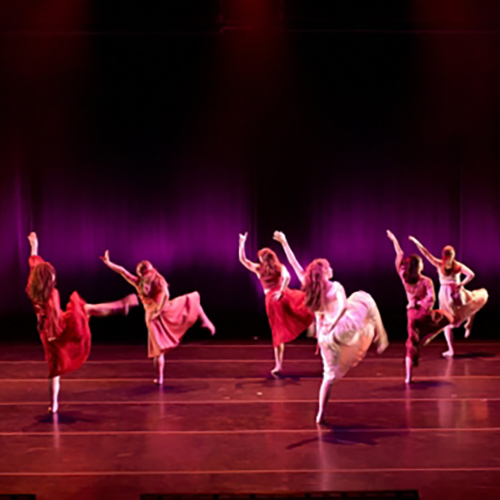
point(299, 271)
point(433, 260)
point(132, 279)
point(397, 247)
point(469, 274)
point(33, 239)
point(251, 266)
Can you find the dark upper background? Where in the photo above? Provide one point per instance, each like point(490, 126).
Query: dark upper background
point(161, 129)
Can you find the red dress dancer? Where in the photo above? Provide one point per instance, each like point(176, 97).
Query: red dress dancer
point(167, 319)
point(424, 322)
point(65, 335)
point(462, 304)
point(288, 317)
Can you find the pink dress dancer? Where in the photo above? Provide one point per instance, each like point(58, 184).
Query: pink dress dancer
point(167, 320)
point(454, 299)
point(287, 315)
point(65, 335)
point(424, 322)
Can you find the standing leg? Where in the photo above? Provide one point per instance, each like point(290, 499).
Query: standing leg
point(108, 308)
point(54, 385)
point(279, 352)
point(205, 321)
point(448, 334)
point(324, 396)
point(409, 369)
point(159, 363)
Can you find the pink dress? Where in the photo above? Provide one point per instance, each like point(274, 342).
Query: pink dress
point(65, 335)
point(459, 302)
point(176, 317)
point(423, 321)
point(288, 316)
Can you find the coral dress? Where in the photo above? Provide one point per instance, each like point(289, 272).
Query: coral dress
point(176, 317)
point(456, 300)
point(65, 335)
point(288, 316)
point(345, 345)
point(423, 321)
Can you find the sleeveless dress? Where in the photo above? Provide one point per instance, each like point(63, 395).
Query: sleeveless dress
point(177, 316)
point(65, 335)
point(424, 323)
point(288, 317)
point(344, 346)
point(458, 301)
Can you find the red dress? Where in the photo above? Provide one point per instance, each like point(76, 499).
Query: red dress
point(176, 317)
point(288, 316)
point(65, 335)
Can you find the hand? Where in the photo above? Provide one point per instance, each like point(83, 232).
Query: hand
point(243, 238)
point(280, 237)
point(105, 257)
point(277, 295)
point(390, 235)
point(32, 238)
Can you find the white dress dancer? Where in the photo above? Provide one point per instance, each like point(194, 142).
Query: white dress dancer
point(462, 304)
point(345, 327)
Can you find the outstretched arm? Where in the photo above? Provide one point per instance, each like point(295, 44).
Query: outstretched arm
point(397, 247)
point(132, 279)
point(469, 274)
point(33, 239)
point(433, 260)
point(299, 270)
point(251, 266)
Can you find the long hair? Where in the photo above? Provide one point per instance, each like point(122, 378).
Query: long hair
point(149, 279)
point(316, 285)
point(410, 267)
point(269, 268)
point(449, 252)
point(41, 283)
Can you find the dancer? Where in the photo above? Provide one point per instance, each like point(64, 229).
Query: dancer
point(287, 315)
point(424, 323)
point(462, 304)
point(167, 319)
point(65, 335)
point(345, 327)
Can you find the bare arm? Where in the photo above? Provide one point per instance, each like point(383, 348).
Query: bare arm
point(165, 294)
point(132, 279)
point(33, 239)
point(433, 260)
point(397, 248)
point(469, 274)
point(251, 266)
point(299, 270)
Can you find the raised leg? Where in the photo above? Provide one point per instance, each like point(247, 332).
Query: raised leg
point(468, 325)
point(159, 363)
point(54, 386)
point(205, 321)
point(448, 335)
point(117, 307)
point(279, 352)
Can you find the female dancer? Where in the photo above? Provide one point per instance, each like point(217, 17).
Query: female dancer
point(345, 327)
point(288, 317)
point(424, 323)
point(65, 335)
point(462, 304)
point(167, 320)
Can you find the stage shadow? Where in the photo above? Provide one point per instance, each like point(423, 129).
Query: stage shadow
point(66, 418)
point(473, 355)
point(425, 384)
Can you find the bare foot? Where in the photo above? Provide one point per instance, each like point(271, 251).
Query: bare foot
point(209, 326)
point(276, 371)
point(54, 408)
point(467, 332)
point(383, 345)
point(407, 380)
point(158, 381)
point(320, 418)
point(448, 354)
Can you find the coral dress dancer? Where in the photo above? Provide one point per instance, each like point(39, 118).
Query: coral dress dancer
point(462, 304)
point(287, 315)
point(65, 335)
point(424, 322)
point(167, 319)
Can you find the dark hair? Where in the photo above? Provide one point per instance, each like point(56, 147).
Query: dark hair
point(449, 252)
point(410, 267)
point(41, 282)
point(316, 285)
point(269, 267)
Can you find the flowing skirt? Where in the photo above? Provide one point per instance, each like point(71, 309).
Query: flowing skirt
point(461, 304)
point(166, 331)
point(288, 316)
point(69, 350)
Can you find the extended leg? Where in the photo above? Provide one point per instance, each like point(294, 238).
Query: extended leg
point(205, 321)
point(159, 363)
point(448, 334)
point(279, 352)
point(54, 385)
point(108, 308)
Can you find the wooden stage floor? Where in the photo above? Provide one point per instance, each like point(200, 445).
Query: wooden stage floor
point(222, 424)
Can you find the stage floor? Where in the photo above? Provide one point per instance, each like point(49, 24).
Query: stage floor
point(221, 423)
